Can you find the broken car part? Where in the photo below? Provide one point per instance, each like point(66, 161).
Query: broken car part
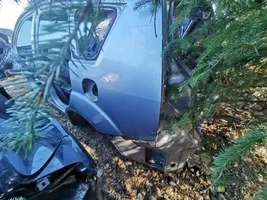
point(121, 87)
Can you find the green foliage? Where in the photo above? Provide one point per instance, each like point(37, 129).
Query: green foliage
point(229, 67)
point(230, 57)
point(154, 5)
point(18, 198)
point(26, 117)
point(262, 194)
point(222, 172)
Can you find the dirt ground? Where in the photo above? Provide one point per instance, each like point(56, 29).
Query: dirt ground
point(121, 178)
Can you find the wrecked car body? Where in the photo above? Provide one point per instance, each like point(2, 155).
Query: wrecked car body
point(57, 167)
point(121, 84)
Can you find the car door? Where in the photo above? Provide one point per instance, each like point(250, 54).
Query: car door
point(116, 77)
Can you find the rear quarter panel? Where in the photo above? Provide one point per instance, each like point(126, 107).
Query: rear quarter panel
point(128, 74)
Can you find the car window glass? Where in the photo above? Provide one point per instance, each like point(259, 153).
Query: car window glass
point(24, 36)
point(53, 28)
point(89, 41)
point(84, 29)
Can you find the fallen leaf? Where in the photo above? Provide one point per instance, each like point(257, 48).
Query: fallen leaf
point(221, 188)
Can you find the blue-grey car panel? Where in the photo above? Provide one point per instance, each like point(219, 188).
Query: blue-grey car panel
point(128, 75)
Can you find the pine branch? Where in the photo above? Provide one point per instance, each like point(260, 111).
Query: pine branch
point(30, 110)
point(154, 4)
point(261, 195)
point(255, 136)
point(18, 198)
point(141, 3)
point(225, 48)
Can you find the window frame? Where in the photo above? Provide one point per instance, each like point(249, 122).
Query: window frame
point(40, 13)
point(18, 27)
point(76, 54)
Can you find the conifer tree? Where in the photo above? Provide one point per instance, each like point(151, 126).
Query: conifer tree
point(230, 67)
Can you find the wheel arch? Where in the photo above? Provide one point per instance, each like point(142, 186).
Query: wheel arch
point(92, 113)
